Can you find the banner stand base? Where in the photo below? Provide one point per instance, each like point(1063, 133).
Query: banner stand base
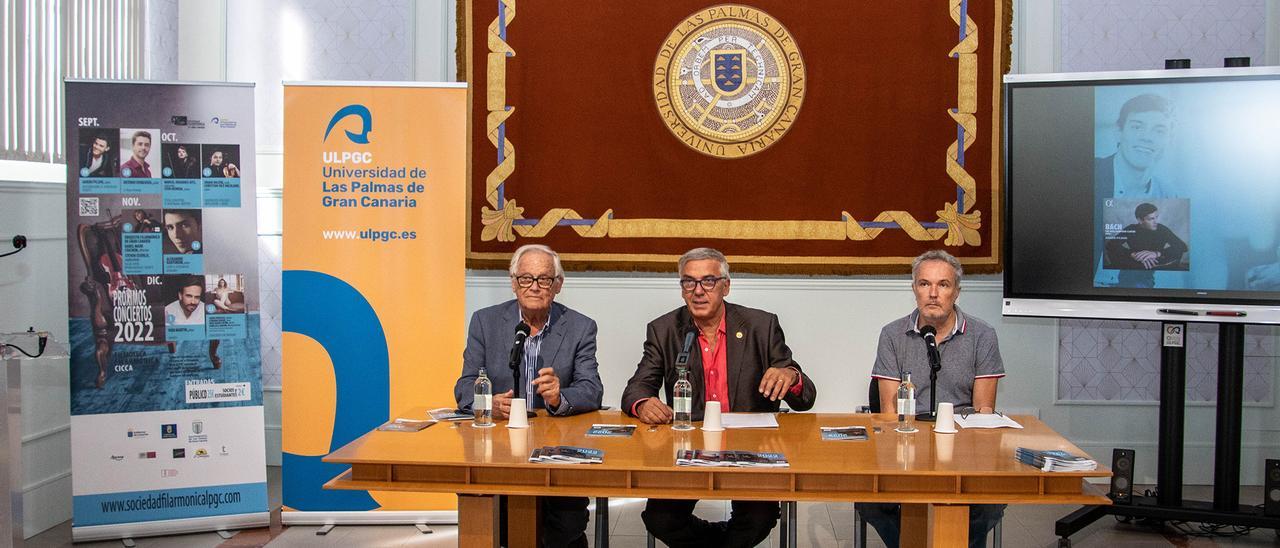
point(170, 527)
point(374, 517)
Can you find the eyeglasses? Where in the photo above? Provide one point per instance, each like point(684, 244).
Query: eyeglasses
point(544, 282)
point(708, 283)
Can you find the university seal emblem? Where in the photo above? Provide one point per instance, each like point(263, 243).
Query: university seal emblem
point(728, 81)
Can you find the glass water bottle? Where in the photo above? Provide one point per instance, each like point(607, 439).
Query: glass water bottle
point(683, 396)
point(907, 406)
point(482, 406)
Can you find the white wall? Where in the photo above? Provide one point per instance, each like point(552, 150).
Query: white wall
point(33, 293)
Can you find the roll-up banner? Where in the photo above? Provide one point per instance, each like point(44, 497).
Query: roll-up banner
point(162, 256)
point(373, 260)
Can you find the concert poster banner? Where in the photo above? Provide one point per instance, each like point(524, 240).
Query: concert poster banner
point(166, 392)
point(373, 279)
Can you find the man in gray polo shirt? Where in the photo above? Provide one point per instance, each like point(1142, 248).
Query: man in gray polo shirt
point(971, 367)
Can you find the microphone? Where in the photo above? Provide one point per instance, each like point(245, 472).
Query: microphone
point(930, 335)
point(682, 359)
point(517, 356)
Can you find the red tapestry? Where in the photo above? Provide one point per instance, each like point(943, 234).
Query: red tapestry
point(808, 137)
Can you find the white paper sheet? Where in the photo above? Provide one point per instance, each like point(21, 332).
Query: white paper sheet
point(748, 420)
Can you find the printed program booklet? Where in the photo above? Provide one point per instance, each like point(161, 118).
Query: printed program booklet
point(700, 457)
point(405, 425)
point(564, 454)
point(844, 432)
point(450, 414)
point(611, 430)
point(1054, 460)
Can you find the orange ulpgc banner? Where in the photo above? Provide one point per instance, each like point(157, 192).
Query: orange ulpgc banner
point(373, 260)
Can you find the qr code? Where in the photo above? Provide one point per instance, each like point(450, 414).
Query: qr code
point(89, 207)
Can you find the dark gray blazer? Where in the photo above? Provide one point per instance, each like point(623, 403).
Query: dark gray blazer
point(569, 347)
point(761, 345)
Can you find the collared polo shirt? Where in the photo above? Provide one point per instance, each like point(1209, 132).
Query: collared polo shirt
point(971, 352)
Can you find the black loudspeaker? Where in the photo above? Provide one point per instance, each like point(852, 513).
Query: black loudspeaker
point(1122, 476)
point(1271, 489)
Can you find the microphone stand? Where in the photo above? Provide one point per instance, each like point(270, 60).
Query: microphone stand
point(935, 365)
point(517, 357)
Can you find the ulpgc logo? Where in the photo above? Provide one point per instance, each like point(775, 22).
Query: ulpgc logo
point(366, 123)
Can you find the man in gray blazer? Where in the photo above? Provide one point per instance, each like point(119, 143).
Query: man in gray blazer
point(558, 370)
point(740, 359)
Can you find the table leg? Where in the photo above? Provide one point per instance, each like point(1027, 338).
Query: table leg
point(935, 525)
point(477, 521)
point(522, 522)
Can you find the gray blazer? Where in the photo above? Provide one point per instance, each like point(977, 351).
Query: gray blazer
point(569, 347)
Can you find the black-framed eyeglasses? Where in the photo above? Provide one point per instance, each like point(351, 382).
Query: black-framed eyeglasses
point(708, 283)
point(544, 282)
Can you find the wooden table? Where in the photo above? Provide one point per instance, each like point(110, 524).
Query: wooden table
point(935, 476)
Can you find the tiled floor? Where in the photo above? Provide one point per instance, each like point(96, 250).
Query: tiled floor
point(820, 525)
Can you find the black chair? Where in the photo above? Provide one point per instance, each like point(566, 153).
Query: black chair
point(786, 534)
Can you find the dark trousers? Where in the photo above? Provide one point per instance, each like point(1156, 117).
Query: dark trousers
point(673, 522)
point(887, 520)
point(564, 522)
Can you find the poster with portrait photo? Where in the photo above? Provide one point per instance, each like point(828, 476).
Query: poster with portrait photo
point(1146, 234)
point(183, 231)
point(98, 152)
point(183, 300)
point(221, 161)
point(139, 153)
point(224, 293)
point(180, 160)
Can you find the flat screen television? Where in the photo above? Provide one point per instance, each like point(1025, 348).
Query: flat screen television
point(1150, 195)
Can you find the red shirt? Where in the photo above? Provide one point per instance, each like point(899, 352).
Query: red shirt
point(715, 366)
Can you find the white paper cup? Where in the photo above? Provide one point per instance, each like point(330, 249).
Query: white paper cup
point(711, 418)
point(518, 418)
point(946, 421)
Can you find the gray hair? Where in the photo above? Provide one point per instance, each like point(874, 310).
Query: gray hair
point(937, 255)
point(702, 253)
point(555, 258)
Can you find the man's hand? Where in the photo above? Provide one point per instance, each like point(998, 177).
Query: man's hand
point(548, 386)
point(502, 404)
point(653, 411)
point(777, 381)
point(1149, 259)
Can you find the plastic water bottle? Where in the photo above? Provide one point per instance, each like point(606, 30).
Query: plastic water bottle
point(684, 403)
point(906, 406)
point(482, 405)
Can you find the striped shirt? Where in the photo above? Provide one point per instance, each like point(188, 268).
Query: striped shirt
point(532, 363)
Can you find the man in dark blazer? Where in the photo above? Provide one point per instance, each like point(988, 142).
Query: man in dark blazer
point(558, 370)
point(739, 359)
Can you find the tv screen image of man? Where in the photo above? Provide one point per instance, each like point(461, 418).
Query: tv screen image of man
point(557, 368)
point(1146, 244)
point(742, 361)
point(184, 232)
point(98, 157)
point(1143, 132)
point(138, 164)
point(971, 368)
point(188, 306)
